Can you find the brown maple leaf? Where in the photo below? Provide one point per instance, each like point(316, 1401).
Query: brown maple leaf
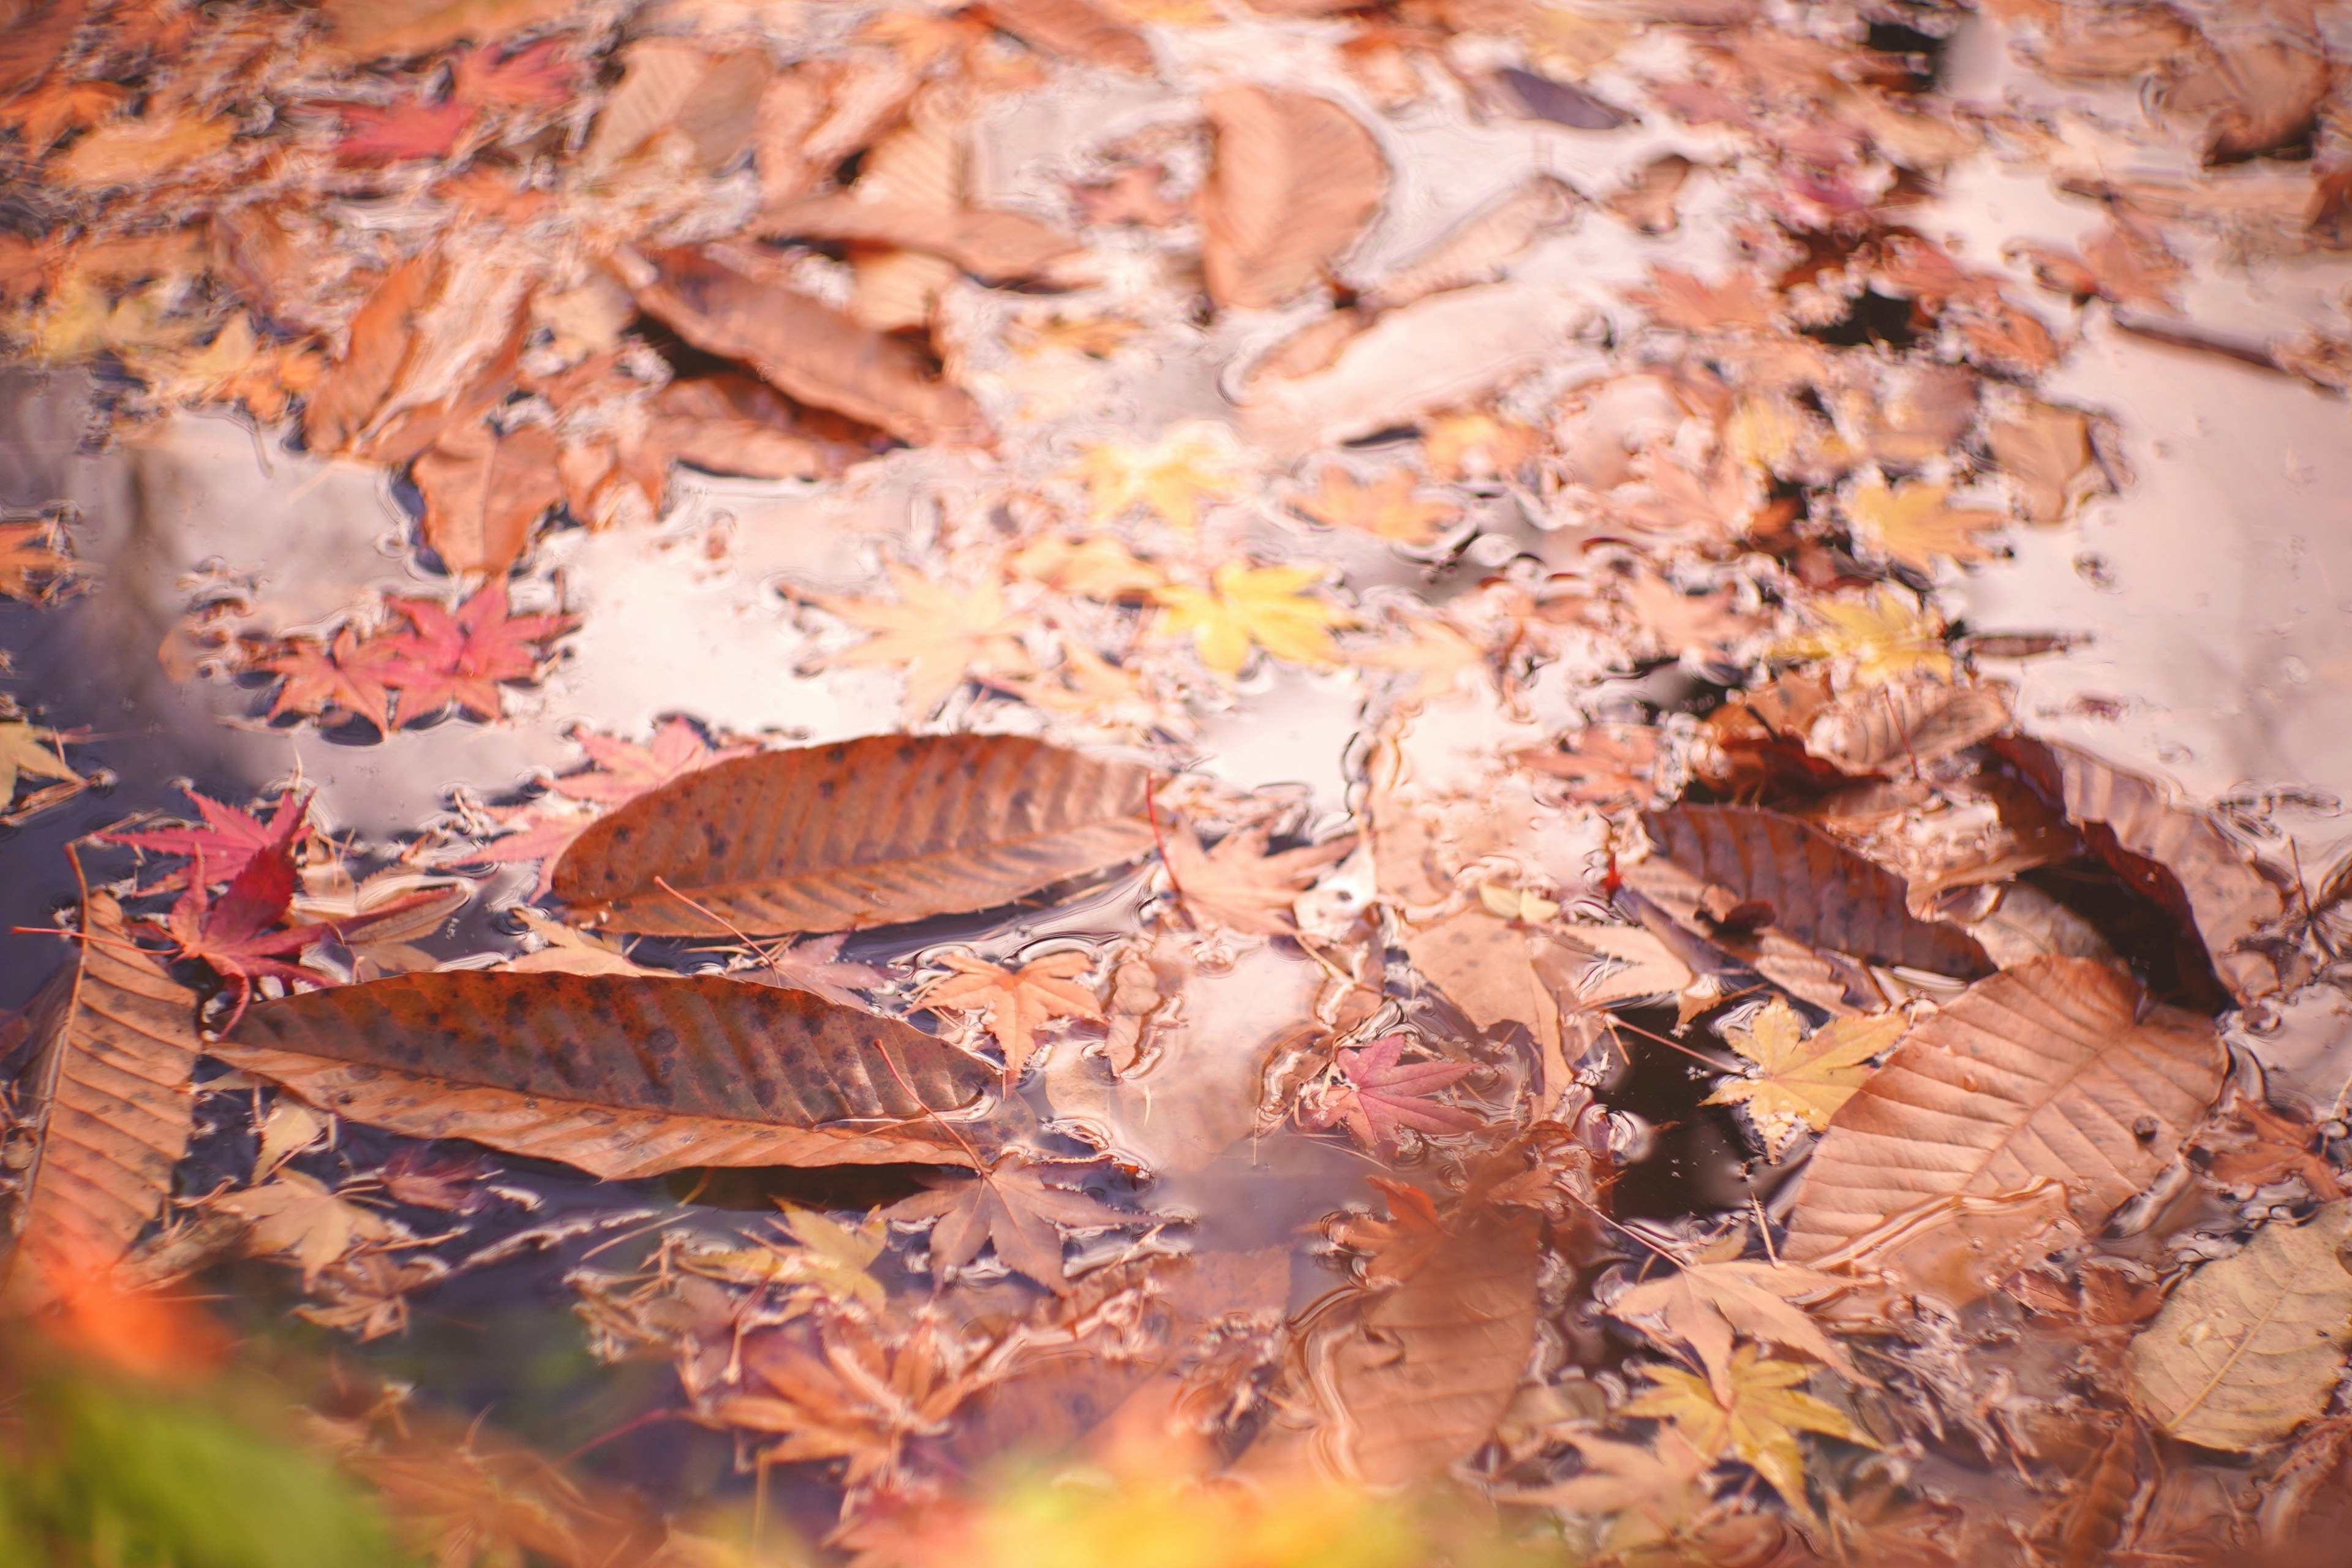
point(1010, 1205)
point(1014, 1002)
point(1386, 507)
point(1238, 885)
point(835, 1388)
point(1374, 1092)
point(1669, 623)
point(1677, 299)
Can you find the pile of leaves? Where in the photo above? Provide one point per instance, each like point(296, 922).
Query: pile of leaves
point(1729, 1090)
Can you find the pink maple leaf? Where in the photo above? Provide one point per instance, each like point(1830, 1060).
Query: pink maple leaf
point(238, 934)
point(400, 132)
point(462, 657)
point(1375, 1095)
point(228, 839)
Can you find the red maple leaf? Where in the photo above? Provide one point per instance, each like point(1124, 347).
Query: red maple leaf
point(537, 73)
point(225, 844)
point(461, 657)
point(237, 935)
point(346, 678)
point(1375, 1095)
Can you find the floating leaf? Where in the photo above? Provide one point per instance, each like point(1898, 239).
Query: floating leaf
point(619, 1074)
point(1237, 885)
point(1011, 1205)
point(1757, 1423)
point(1014, 1002)
point(1272, 607)
point(1386, 507)
point(1886, 635)
point(2058, 1070)
point(891, 827)
point(107, 1101)
point(940, 633)
point(1702, 1305)
point(1376, 1094)
point(1188, 468)
point(1912, 525)
point(2250, 1347)
point(1075, 30)
point(1798, 1081)
point(1295, 179)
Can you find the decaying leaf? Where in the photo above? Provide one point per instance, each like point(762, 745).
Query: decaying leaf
point(2057, 1070)
point(1237, 885)
point(792, 840)
point(1014, 1004)
point(1705, 1304)
point(1896, 727)
point(2045, 452)
point(29, 749)
point(1294, 181)
point(619, 1074)
point(300, 1218)
point(1912, 524)
point(104, 1109)
point(1011, 1205)
point(1798, 1081)
point(2251, 1345)
point(1757, 1423)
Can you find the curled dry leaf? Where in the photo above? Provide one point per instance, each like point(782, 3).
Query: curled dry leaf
point(2059, 1069)
point(619, 1074)
point(1476, 248)
point(1817, 889)
point(889, 829)
point(809, 351)
point(102, 1111)
point(1294, 181)
point(2252, 1346)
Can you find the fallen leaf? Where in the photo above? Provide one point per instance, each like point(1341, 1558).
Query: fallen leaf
point(106, 1095)
point(1885, 633)
point(33, 564)
point(1601, 764)
point(1896, 727)
point(814, 965)
point(793, 841)
point(1798, 1081)
point(298, 1217)
point(1237, 885)
point(1292, 183)
point(1075, 30)
point(1740, 302)
point(237, 937)
point(138, 151)
point(1014, 1004)
point(942, 635)
point(343, 676)
point(384, 337)
point(1095, 567)
point(2045, 453)
point(1911, 525)
point(993, 246)
point(620, 1076)
point(462, 657)
point(2067, 1072)
point(1190, 467)
point(1375, 1093)
point(1666, 622)
point(29, 749)
point(483, 490)
point(810, 350)
point(1702, 1305)
point(1486, 967)
point(839, 1390)
point(1272, 607)
point(1474, 250)
point(1435, 652)
point(1756, 1424)
point(1386, 507)
point(1633, 965)
point(1652, 1494)
point(2250, 1346)
point(1473, 445)
point(1011, 1205)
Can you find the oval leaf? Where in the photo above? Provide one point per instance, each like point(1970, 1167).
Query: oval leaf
point(2250, 1347)
point(1296, 180)
point(619, 1074)
point(2056, 1069)
point(889, 829)
point(1820, 891)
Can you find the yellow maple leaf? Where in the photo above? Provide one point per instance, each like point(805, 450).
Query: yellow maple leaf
point(940, 634)
point(1387, 507)
point(1472, 444)
point(1097, 567)
point(1757, 1423)
point(1799, 1081)
point(1912, 525)
point(1515, 904)
point(1190, 467)
point(236, 366)
point(1433, 649)
point(1014, 1004)
point(1270, 606)
point(1886, 633)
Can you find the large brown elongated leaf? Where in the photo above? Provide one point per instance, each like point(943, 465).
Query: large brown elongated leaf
point(1075, 30)
point(810, 350)
point(620, 1075)
point(2174, 855)
point(891, 827)
point(383, 337)
point(1819, 890)
point(482, 492)
point(106, 1101)
point(2057, 1069)
point(988, 244)
point(2250, 1347)
point(1296, 179)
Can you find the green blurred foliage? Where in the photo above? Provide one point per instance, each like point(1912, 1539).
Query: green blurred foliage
point(98, 1470)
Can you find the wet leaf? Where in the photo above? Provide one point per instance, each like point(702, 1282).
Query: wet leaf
point(1014, 1004)
point(1434, 653)
point(1896, 727)
point(1012, 1205)
point(2059, 1068)
point(2045, 452)
point(133, 151)
point(1798, 1081)
point(1679, 300)
point(1815, 888)
point(1488, 968)
point(1190, 467)
point(1272, 607)
point(1075, 30)
point(463, 656)
point(942, 635)
point(383, 338)
point(2251, 1345)
point(1704, 1305)
point(483, 491)
point(107, 1100)
point(1237, 885)
point(33, 564)
point(1912, 525)
point(618, 1075)
point(810, 350)
point(995, 246)
point(29, 749)
point(296, 1216)
point(792, 840)
point(1386, 507)
point(1376, 1093)
point(1293, 182)
point(1757, 1423)
point(1884, 633)
point(1474, 250)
